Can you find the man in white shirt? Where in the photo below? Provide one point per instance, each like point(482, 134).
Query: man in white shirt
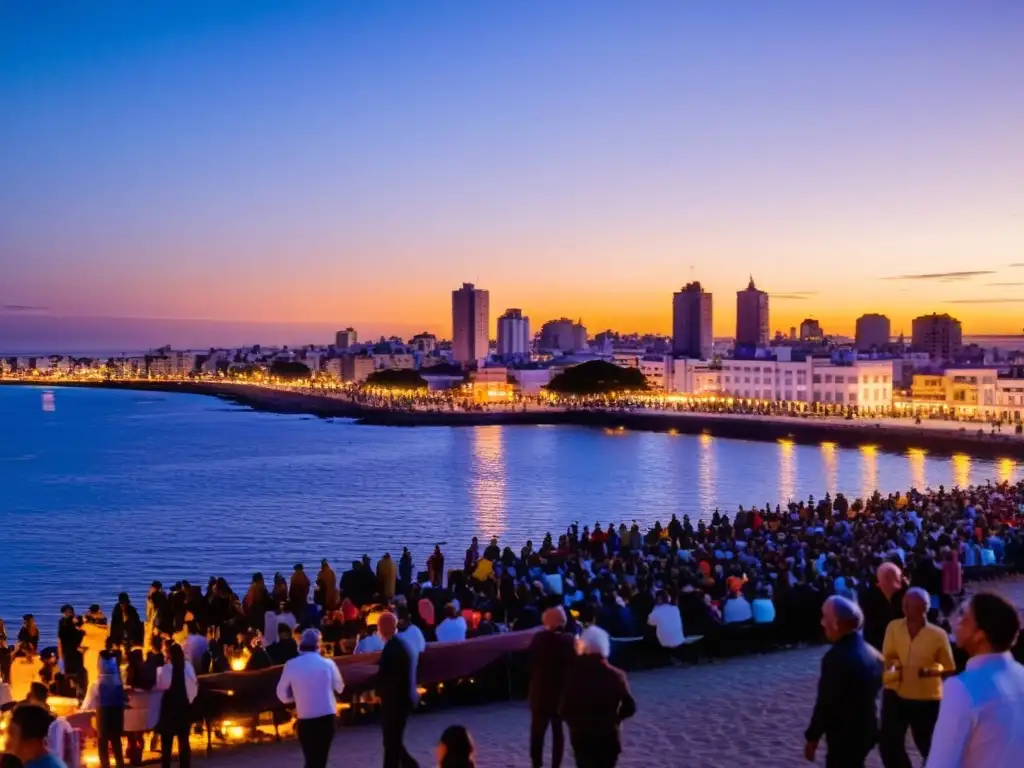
point(981, 718)
point(271, 622)
point(310, 682)
point(371, 643)
point(195, 645)
point(737, 609)
point(453, 627)
point(667, 622)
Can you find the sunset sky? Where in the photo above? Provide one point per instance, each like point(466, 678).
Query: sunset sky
point(321, 164)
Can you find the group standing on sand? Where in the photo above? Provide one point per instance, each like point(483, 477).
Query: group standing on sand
point(770, 568)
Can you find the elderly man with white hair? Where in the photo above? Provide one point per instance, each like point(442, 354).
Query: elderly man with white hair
point(595, 701)
point(311, 681)
point(851, 676)
point(882, 603)
point(916, 655)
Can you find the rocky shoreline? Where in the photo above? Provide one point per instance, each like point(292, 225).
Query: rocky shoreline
point(887, 436)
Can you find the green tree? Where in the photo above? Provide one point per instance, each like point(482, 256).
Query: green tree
point(397, 378)
point(597, 378)
point(288, 369)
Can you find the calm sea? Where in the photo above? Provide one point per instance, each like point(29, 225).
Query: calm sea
point(112, 489)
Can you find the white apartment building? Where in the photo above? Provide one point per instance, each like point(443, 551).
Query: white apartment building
point(657, 369)
point(863, 383)
point(1010, 397)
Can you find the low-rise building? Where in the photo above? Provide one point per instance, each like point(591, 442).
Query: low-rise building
point(394, 361)
point(355, 368)
point(972, 391)
point(866, 384)
point(490, 384)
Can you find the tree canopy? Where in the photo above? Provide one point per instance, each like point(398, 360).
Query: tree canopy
point(397, 378)
point(597, 378)
point(287, 369)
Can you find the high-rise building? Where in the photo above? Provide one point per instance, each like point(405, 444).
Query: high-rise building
point(810, 330)
point(873, 331)
point(939, 335)
point(513, 334)
point(470, 324)
point(691, 322)
point(345, 339)
point(562, 335)
point(751, 316)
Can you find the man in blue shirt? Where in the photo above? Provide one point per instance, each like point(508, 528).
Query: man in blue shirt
point(27, 737)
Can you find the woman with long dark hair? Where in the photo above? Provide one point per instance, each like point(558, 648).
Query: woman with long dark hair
point(177, 679)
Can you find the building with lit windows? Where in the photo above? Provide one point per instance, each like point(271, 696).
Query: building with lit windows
point(471, 307)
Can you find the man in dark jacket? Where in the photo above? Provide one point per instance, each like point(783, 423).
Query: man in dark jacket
point(882, 603)
point(845, 712)
point(595, 701)
point(396, 689)
point(126, 628)
point(552, 653)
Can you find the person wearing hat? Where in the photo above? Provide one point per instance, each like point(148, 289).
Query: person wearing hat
point(125, 625)
point(311, 682)
point(107, 698)
point(69, 637)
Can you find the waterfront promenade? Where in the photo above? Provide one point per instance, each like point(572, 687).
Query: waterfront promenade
point(749, 712)
point(892, 434)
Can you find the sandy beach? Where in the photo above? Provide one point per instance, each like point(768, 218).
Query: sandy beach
point(749, 712)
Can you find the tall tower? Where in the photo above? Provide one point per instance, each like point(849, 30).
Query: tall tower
point(470, 324)
point(513, 334)
point(691, 322)
point(752, 316)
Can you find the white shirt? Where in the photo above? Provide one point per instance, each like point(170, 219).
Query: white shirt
point(194, 647)
point(58, 738)
point(450, 630)
point(370, 644)
point(981, 718)
point(310, 681)
point(163, 680)
point(668, 625)
point(270, 622)
point(763, 610)
point(737, 609)
point(413, 638)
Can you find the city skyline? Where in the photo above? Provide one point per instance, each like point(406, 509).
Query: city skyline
point(246, 171)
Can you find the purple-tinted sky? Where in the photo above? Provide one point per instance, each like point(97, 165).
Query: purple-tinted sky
point(337, 163)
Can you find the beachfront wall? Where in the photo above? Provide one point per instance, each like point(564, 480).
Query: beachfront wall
point(240, 694)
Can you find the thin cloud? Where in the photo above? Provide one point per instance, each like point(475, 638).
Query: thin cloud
point(793, 295)
point(22, 308)
point(1004, 285)
point(1017, 264)
point(986, 301)
point(943, 276)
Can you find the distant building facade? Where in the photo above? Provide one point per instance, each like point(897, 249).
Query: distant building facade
point(691, 322)
point(873, 332)
point(810, 330)
point(345, 339)
point(866, 384)
point(424, 343)
point(939, 335)
point(513, 335)
point(562, 335)
point(751, 316)
point(471, 308)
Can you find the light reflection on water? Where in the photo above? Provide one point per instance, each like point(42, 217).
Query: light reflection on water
point(98, 499)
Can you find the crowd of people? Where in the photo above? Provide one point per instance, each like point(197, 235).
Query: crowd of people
point(763, 567)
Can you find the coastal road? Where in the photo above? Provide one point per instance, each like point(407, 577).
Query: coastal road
point(743, 713)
